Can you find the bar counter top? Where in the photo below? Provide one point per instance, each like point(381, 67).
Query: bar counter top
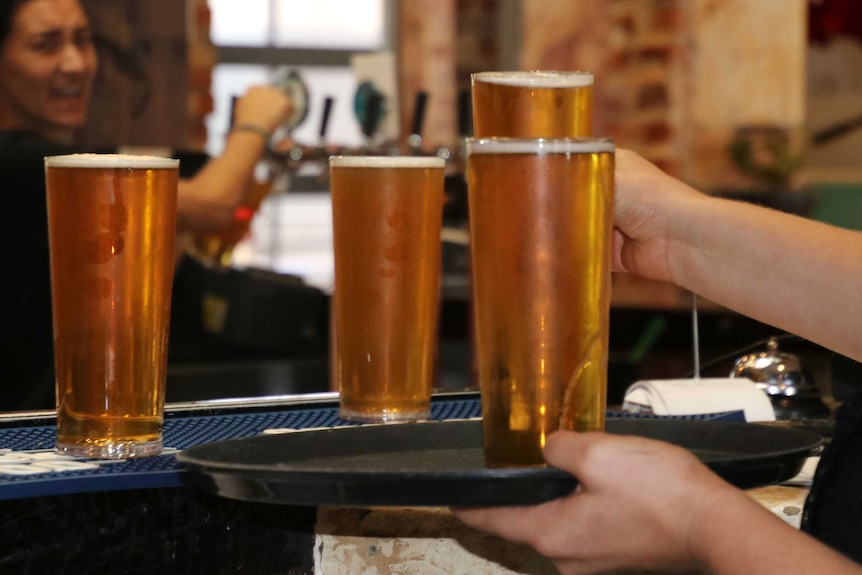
point(150, 520)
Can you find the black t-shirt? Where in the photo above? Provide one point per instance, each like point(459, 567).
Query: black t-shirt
point(26, 341)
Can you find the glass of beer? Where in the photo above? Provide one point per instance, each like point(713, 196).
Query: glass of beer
point(112, 222)
point(534, 104)
point(541, 222)
point(386, 215)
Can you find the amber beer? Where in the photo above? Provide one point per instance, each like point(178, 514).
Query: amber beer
point(541, 220)
point(387, 215)
point(536, 104)
point(112, 222)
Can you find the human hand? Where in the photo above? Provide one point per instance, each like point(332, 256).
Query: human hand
point(649, 213)
point(263, 106)
point(637, 505)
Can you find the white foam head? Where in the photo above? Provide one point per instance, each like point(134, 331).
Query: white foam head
point(386, 162)
point(117, 161)
point(539, 145)
point(537, 78)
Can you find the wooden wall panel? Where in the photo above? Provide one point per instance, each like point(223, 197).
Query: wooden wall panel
point(141, 88)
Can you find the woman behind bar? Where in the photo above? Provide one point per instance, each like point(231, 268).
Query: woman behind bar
point(47, 65)
point(648, 504)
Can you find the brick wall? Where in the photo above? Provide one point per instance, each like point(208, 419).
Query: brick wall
point(641, 93)
point(677, 79)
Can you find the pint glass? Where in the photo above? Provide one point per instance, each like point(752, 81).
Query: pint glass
point(541, 221)
point(112, 222)
point(534, 104)
point(387, 215)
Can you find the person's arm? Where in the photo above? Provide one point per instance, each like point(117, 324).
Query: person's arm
point(207, 201)
point(797, 274)
point(645, 504)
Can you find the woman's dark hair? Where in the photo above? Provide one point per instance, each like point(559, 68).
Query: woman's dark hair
point(8, 9)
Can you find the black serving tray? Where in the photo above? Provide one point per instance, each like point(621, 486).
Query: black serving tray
point(440, 463)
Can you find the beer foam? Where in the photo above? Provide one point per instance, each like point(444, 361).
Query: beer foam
point(540, 145)
point(121, 161)
point(386, 162)
point(538, 79)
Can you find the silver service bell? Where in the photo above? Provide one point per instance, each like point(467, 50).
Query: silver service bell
point(775, 372)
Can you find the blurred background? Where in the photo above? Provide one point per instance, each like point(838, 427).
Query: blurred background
point(755, 99)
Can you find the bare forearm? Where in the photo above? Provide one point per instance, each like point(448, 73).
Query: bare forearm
point(208, 199)
point(796, 274)
point(740, 536)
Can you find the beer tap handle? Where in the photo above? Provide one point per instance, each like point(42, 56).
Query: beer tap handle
point(292, 84)
point(369, 106)
point(419, 112)
point(232, 117)
point(414, 140)
point(324, 121)
point(371, 118)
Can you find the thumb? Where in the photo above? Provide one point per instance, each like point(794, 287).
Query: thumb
point(586, 455)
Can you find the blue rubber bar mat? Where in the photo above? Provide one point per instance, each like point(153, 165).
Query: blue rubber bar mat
point(32, 447)
point(29, 468)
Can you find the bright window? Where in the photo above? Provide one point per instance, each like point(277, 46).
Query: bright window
point(326, 24)
point(243, 23)
point(330, 24)
point(258, 40)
